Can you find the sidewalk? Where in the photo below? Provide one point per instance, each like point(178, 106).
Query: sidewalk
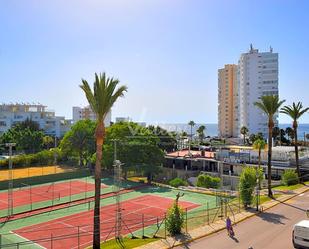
point(206, 230)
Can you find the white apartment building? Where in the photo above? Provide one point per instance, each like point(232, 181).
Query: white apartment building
point(52, 125)
point(81, 113)
point(257, 76)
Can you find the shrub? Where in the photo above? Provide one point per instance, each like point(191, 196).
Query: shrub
point(176, 182)
point(45, 157)
point(174, 219)
point(289, 177)
point(247, 182)
point(207, 181)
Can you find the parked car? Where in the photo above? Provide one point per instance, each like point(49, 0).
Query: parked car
point(301, 234)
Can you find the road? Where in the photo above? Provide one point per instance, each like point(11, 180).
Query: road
point(269, 230)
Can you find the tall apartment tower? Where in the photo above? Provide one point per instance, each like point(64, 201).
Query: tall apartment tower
point(257, 76)
point(227, 101)
point(81, 113)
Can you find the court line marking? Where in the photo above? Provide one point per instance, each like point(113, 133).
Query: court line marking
point(28, 240)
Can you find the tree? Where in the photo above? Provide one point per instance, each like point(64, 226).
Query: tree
point(247, 182)
point(101, 99)
point(270, 105)
point(175, 219)
point(48, 142)
point(201, 133)
point(244, 131)
point(138, 149)
point(253, 137)
point(167, 141)
point(26, 135)
point(290, 133)
point(259, 145)
point(295, 112)
point(192, 124)
point(275, 134)
point(79, 141)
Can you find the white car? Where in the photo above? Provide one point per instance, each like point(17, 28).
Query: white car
point(301, 234)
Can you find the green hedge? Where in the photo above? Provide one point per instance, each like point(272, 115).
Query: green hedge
point(207, 181)
point(177, 182)
point(289, 177)
point(45, 157)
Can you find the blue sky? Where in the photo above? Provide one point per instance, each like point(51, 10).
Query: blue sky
point(166, 51)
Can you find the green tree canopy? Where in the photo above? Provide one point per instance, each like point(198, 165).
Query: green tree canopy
point(79, 141)
point(137, 147)
point(27, 136)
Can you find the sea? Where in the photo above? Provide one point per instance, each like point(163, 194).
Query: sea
point(212, 129)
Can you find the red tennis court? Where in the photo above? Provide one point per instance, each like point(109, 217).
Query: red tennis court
point(27, 194)
point(63, 232)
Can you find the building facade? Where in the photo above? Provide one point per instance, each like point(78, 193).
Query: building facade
point(239, 87)
point(257, 76)
point(52, 125)
point(227, 101)
point(81, 113)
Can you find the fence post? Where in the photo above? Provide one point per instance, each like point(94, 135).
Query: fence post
point(86, 187)
point(31, 207)
point(238, 202)
point(208, 218)
point(143, 236)
point(51, 241)
point(70, 194)
point(78, 238)
point(186, 220)
point(165, 226)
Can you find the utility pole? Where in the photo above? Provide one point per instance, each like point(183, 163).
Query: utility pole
point(10, 189)
point(55, 153)
point(117, 187)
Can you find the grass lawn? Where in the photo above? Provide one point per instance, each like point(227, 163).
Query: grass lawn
point(265, 198)
point(292, 187)
point(127, 242)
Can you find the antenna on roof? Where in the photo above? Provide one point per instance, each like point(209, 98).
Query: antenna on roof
point(251, 47)
point(271, 49)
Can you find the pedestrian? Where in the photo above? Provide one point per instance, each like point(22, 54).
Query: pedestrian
point(229, 227)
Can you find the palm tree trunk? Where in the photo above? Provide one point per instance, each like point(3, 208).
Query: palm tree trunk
point(296, 154)
point(259, 167)
point(270, 144)
point(96, 219)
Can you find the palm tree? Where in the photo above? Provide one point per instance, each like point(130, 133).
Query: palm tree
point(269, 105)
point(259, 145)
point(201, 133)
point(191, 123)
point(244, 131)
point(295, 112)
point(101, 99)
